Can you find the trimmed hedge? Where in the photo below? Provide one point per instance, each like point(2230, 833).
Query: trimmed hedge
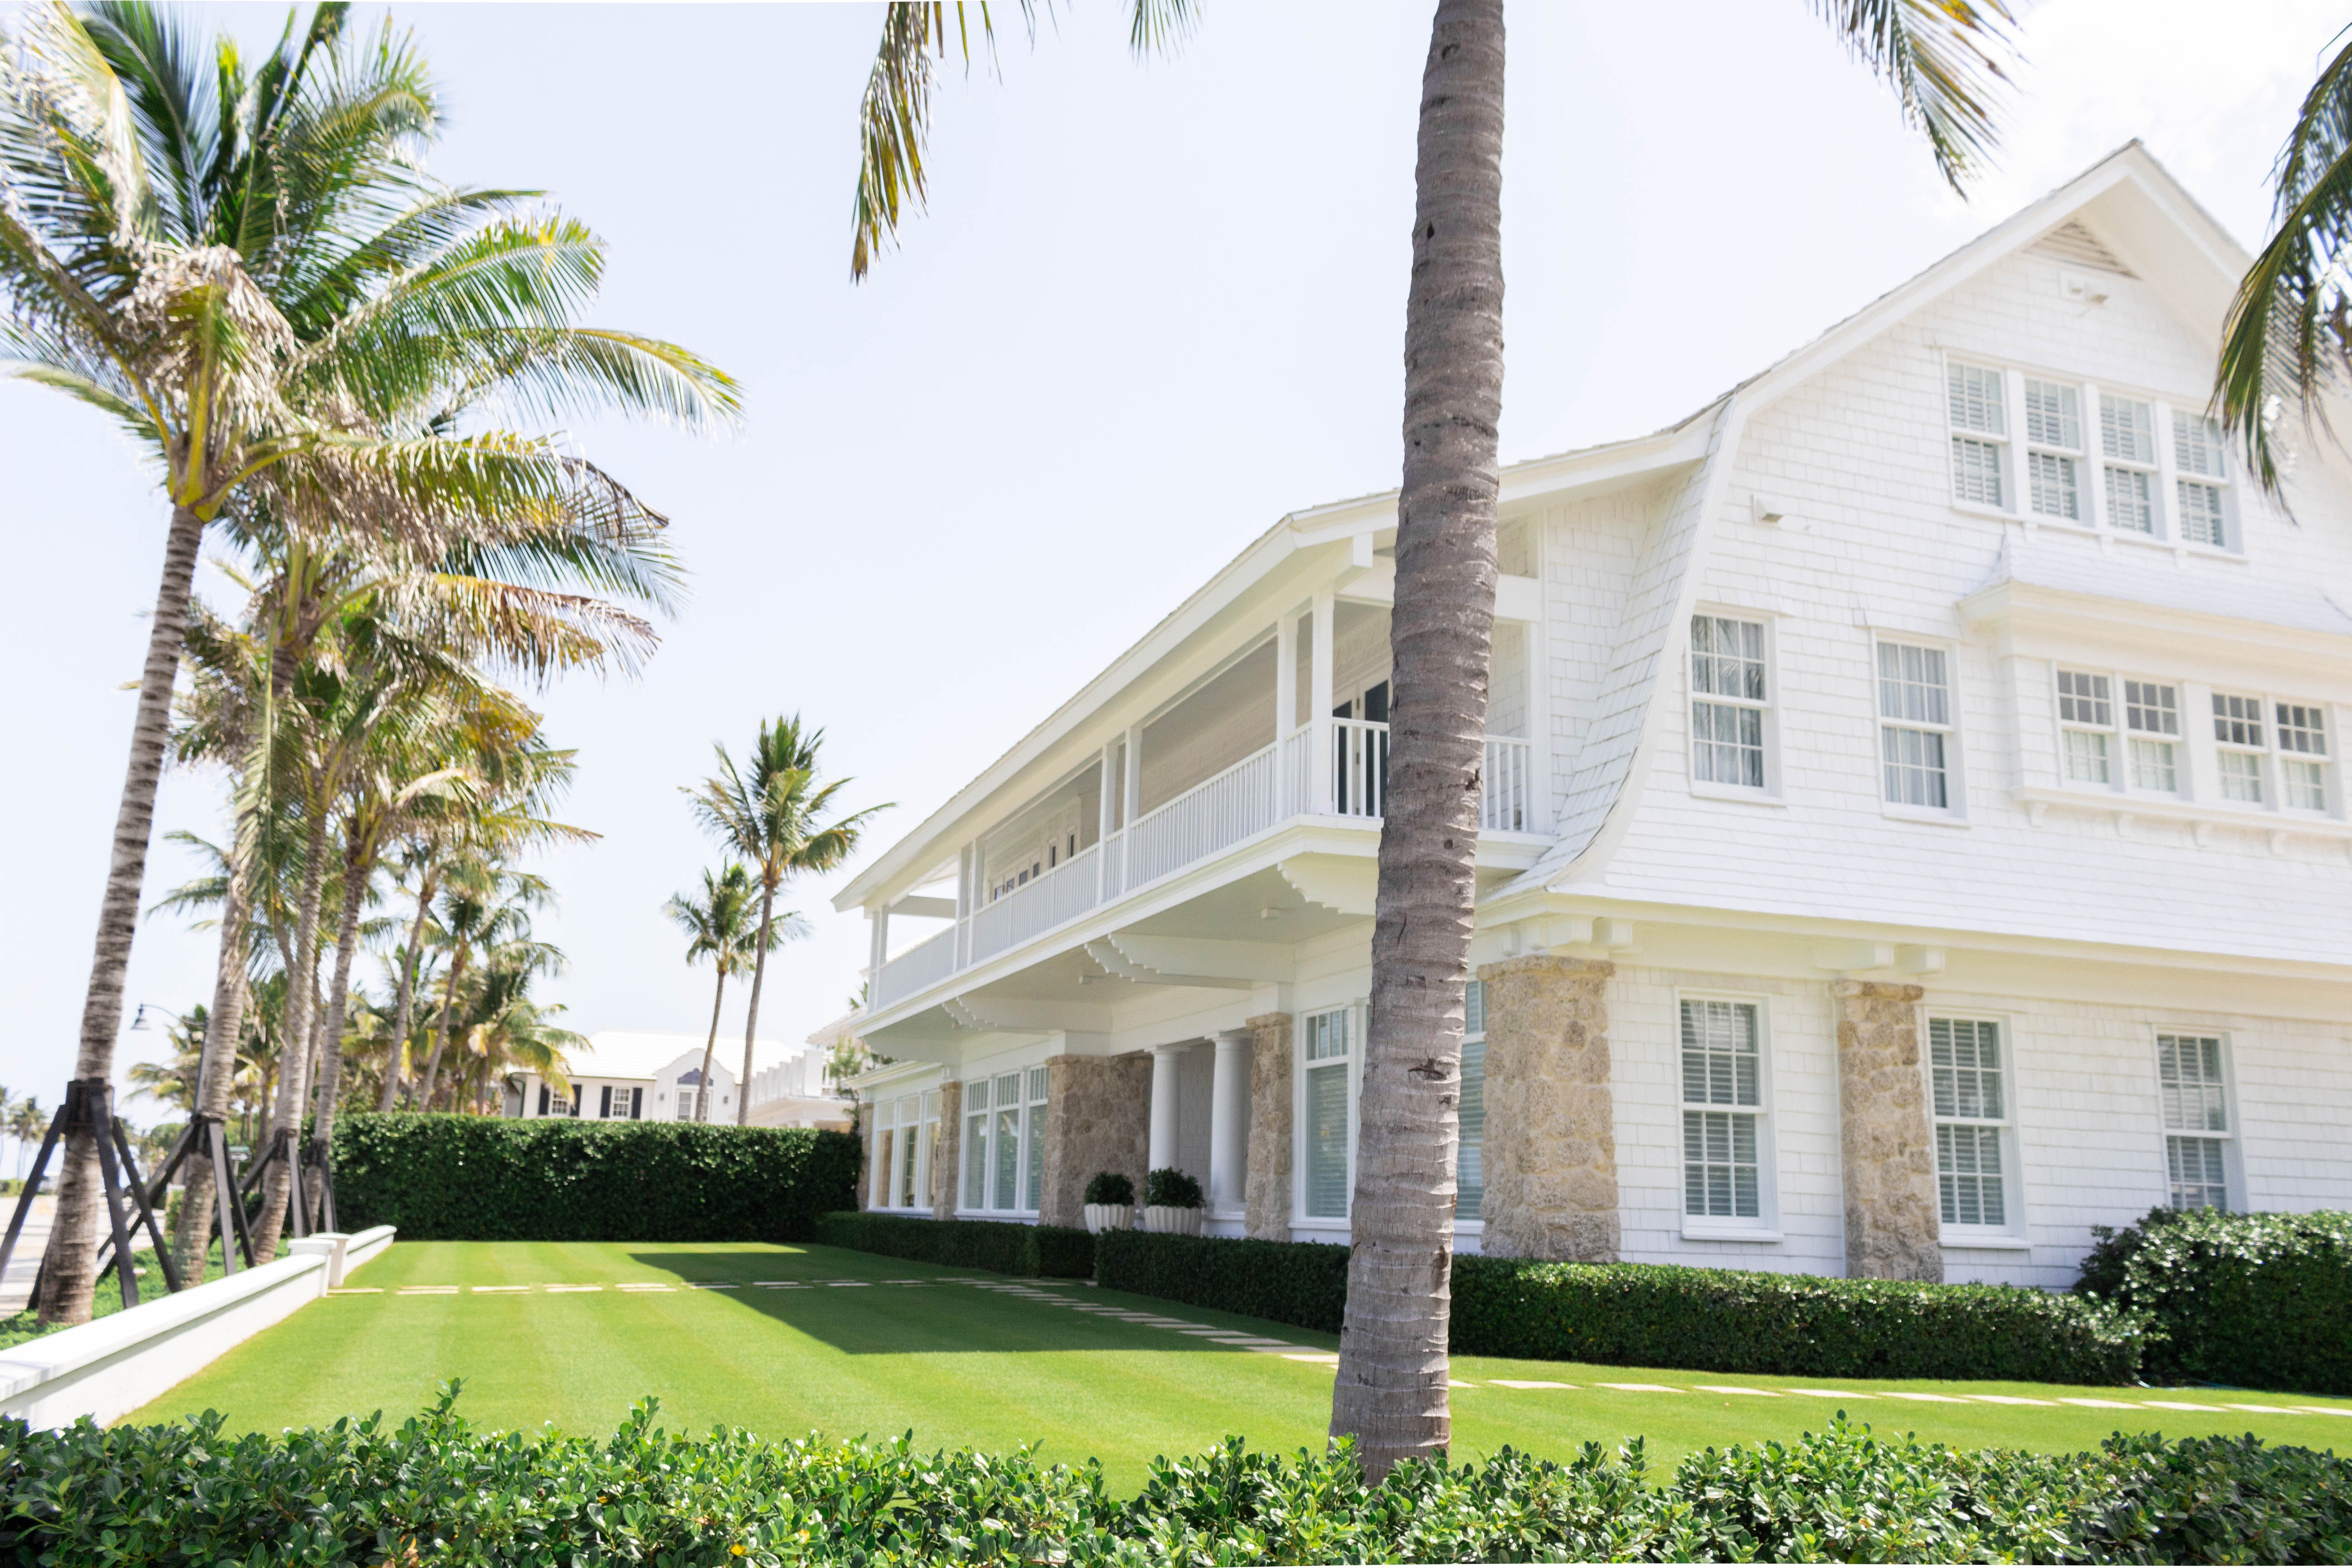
point(1635, 1314)
point(435, 1489)
point(485, 1178)
point(2257, 1300)
point(1032, 1251)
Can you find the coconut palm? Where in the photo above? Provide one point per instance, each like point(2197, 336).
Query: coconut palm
point(1942, 58)
point(27, 1123)
point(2287, 342)
point(485, 911)
point(243, 267)
point(719, 926)
point(768, 810)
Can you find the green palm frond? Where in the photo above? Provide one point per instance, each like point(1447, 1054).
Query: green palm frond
point(1944, 59)
point(2288, 337)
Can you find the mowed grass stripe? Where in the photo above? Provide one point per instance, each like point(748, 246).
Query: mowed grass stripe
point(959, 1364)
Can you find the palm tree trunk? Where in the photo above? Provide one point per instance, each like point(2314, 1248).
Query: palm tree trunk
point(441, 1029)
point(709, 1046)
point(751, 1022)
point(331, 1063)
point(1390, 1393)
point(69, 1269)
point(402, 1013)
point(294, 1072)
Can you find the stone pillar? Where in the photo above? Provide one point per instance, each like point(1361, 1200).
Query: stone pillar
point(1098, 1118)
point(1229, 1115)
point(1886, 1149)
point(946, 1154)
point(1167, 1061)
point(1267, 1191)
point(1551, 1138)
point(865, 1162)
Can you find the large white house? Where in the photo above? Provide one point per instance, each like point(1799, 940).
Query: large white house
point(624, 1076)
point(1914, 827)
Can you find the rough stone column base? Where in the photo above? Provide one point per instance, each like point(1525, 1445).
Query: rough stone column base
point(865, 1155)
point(1888, 1152)
point(1265, 1190)
point(947, 1153)
point(1550, 1153)
point(1098, 1118)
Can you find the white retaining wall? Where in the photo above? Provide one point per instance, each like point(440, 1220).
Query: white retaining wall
point(110, 1367)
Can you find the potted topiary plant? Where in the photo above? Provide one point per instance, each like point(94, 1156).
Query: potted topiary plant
point(1171, 1203)
point(1110, 1203)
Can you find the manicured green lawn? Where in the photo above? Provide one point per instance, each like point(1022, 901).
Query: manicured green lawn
point(992, 1365)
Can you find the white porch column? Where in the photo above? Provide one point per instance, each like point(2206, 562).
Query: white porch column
point(964, 904)
point(1107, 797)
point(1130, 793)
point(1319, 702)
point(1164, 1062)
point(1285, 708)
point(878, 931)
point(1229, 1104)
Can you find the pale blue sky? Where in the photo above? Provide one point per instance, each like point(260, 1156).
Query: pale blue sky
point(1152, 308)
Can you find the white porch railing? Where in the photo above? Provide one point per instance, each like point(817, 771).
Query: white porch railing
point(1266, 787)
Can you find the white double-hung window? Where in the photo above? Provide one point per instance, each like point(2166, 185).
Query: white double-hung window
point(2302, 731)
point(2283, 762)
point(2197, 1131)
point(1327, 1111)
point(1470, 1155)
point(2053, 450)
point(1979, 434)
point(2238, 746)
point(2086, 718)
point(1915, 725)
point(1004, 1141)
point(2202, 486)
point(1726, 1138)
point(905, 1131)
point(2128, 448)
point(2152, 717)
point(1969, 1090)
point(1731, 701)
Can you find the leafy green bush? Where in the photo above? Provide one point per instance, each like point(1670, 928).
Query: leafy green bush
point(2258, 1300)
point(1301, 1282)
point(483, 1178)
point(1170, 1188)
point(1051, 1251)
point(1110, 1187)
point(433, 1489)
point(1634, 1314)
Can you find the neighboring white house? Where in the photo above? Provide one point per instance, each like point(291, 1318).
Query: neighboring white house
point(629, 1077)
point(1914, 824)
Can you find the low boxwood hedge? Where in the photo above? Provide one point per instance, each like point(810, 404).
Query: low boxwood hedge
point(486, 1178)
point(431, 1488)
point(1637, 1314)
point(2257, 1300)
point(1032, 1251)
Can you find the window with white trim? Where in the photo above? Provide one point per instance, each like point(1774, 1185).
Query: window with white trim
point(2196, 1130)
point(2053, 450)
point(2302, 731)
point(2201, 486)
point(2129, 472)
point(2152, 716)
point(1969, 1093)
point(1725, 1142)
point(1915, 712)
point(1979, 434)
point(1730, 698)
point(2086, 720)
point(1328, 1091)
point(1004, 1141)
point(1470, 1151)
point(2238, 746)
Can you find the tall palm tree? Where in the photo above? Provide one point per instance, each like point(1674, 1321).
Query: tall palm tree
point(487, 909)
point(718, 926)
point(2287, 342)
point(1942, 58)
point(243, 267)
point(768, 810)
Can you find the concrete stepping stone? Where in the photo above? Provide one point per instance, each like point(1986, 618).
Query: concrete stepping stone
point(1523, 1382)
point(1696, 1388)
point(643, 1285)
point(1245, 1339)
point(2099, 1403)
point(1833, 1393)
point(498, 1289)
point(712, 1285)
point(2263, 1409)
point(356, 1290)
point(2178, 1405)
point(1456, 1382)
point(565, 1289)
point(849, 1284)
point(2324, 1409)
point(1326, 1358)
point(2008, 1399)
point(1639, 1387)
point(1925, 1398)
point(428, 1290)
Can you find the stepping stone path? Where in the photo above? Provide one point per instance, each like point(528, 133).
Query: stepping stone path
point(1241, 1340)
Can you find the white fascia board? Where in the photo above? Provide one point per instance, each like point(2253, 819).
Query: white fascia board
point(891, 1073)
point(2018, 609)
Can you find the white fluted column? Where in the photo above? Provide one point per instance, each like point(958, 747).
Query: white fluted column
point(1165, 1059)
point(1229, 1104)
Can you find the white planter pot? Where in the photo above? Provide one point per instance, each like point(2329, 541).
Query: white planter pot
point(1166, 1221)
point(1101, 1217)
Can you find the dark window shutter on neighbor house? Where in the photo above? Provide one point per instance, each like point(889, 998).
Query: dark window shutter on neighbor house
point(604, 1105)
point(637, 1104)
point(542, 1099)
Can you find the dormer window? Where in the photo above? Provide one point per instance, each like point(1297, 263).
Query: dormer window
point(2128, 443)
point(1979, 433)
point(2053, 439)
point(2202, 487)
